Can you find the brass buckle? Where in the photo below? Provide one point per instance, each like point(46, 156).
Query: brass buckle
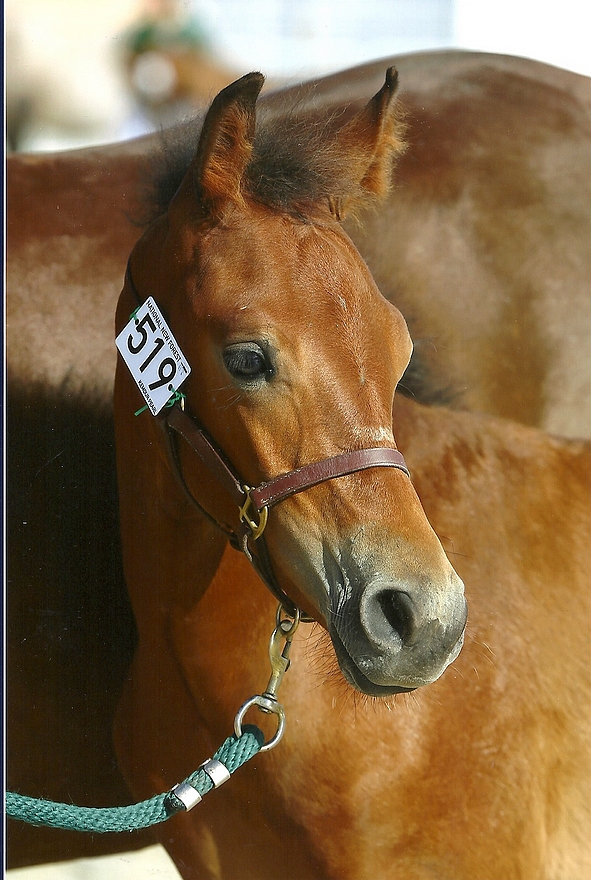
point(246, 515)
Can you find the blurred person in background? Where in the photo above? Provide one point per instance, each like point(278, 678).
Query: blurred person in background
point(170, 66)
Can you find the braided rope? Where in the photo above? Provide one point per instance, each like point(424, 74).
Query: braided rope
point(234, 752)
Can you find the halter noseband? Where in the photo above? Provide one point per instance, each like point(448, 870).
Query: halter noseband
point(254, 503)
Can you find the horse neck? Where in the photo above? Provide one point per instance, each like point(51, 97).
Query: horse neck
point(170, 571)
point(219, 645)
point(171, 551)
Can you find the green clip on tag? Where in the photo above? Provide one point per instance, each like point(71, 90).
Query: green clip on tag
point(153, 356)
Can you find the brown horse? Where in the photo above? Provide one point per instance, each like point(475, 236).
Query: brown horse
point(295, 357)
point(70, 228)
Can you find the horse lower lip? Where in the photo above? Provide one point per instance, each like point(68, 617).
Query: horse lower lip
point(370, 689)
point(358, 679)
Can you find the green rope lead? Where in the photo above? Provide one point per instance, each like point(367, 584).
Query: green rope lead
point(234, 752)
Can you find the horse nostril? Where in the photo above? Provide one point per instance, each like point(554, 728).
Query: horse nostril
point(397, 608)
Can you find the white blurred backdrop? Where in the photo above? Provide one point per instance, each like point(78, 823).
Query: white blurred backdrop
point(68, 71)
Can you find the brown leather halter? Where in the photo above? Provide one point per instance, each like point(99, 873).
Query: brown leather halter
point(254, 503)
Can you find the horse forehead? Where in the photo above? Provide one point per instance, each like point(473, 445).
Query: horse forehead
point(268, 277)
point(284, 254)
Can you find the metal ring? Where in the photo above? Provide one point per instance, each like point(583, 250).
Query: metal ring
point(256, 528)
point(297, 618)
point(282, 617)
point(270, 707)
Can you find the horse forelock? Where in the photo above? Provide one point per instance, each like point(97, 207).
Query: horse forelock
point(297, 164)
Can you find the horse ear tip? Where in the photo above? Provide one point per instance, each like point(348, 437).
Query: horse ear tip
point(255, 80)
point(391, 82)
point(247, 86)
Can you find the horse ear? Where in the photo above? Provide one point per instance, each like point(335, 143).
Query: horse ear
point(215, 174)
point(371, 141)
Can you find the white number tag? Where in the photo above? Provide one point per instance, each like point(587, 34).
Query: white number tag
point(153, 356)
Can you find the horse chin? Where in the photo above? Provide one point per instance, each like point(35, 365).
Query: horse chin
point(357, 679)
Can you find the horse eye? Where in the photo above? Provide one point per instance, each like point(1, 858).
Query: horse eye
point(247, 362)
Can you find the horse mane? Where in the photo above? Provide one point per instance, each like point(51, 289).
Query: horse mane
point(420, 384)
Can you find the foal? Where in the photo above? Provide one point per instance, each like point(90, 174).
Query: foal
point(294, 360)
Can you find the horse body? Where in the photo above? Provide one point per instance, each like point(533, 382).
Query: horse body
point(485, 773)
point(69, 226)
point(484, 242)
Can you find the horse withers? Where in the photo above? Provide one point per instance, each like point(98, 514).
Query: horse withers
point(295, 357)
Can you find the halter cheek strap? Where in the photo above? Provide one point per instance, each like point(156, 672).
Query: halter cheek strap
point(254, 503)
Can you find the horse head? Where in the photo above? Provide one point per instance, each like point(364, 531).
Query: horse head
point(295, 359)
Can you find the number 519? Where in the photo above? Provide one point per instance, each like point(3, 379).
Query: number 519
point(166, 367)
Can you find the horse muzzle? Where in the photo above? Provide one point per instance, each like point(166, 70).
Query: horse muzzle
point(397, 637)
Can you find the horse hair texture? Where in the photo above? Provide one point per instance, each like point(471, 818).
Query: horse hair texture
point(296, 162)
